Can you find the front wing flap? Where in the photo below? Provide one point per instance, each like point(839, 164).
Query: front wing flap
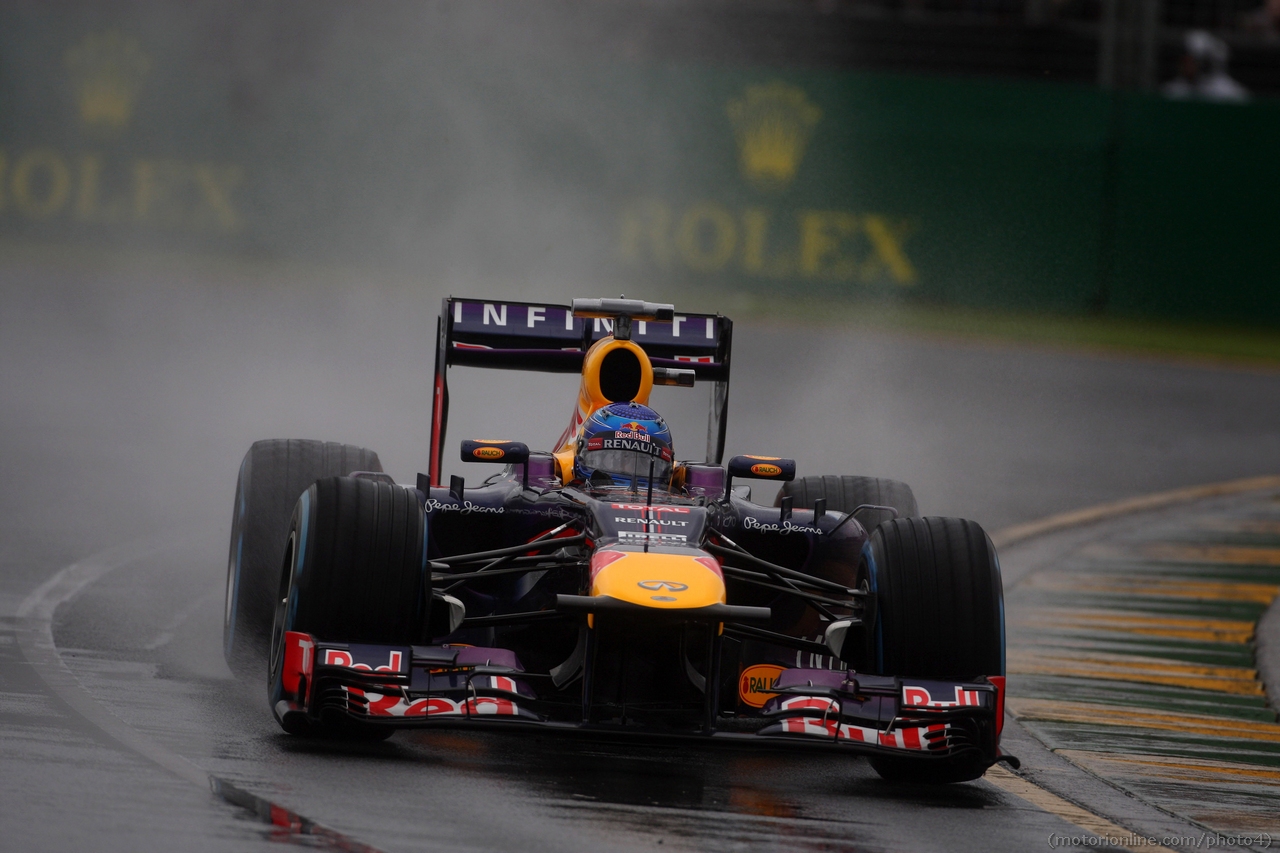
point(919, 717)
point(459, 685)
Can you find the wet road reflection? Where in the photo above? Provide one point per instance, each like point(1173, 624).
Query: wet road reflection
point(126, 413)
point(490, 790)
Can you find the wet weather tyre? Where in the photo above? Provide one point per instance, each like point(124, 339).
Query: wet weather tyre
point(844, 493)
point(272, 476)
point(354, 571)
point(937, 612)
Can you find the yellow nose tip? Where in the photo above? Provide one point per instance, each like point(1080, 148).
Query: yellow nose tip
point(661, 580)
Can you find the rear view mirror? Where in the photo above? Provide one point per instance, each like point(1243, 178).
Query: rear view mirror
point(762, 468)
point(674, 376)
point(492, 450)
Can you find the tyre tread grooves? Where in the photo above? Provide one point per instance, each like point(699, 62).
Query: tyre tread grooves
point(939, 599)
point(365, 583)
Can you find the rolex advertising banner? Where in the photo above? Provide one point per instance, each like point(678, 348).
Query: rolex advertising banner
point(451, 146)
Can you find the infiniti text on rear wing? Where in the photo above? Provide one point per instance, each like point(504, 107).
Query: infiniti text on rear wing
point(549, 339)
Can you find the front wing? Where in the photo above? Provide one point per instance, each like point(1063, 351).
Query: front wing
point(467, 686)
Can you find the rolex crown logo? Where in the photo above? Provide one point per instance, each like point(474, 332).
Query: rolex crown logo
point(106, 71)
point(773, 124)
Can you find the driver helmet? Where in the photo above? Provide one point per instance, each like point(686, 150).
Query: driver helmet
point(619, 443)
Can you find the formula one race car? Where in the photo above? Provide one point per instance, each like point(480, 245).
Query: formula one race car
point(605, 585)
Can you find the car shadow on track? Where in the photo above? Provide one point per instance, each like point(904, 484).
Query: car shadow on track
point(681, 776)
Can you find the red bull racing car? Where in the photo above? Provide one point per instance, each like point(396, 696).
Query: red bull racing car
point(604, 584)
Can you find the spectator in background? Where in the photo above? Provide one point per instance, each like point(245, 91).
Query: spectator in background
point(1202, 72)
point(1265, 19)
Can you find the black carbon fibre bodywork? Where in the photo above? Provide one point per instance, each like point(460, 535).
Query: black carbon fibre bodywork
point(525, 656)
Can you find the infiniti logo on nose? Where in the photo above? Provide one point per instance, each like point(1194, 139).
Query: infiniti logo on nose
point(654, 586)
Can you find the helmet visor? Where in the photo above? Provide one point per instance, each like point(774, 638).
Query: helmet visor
point(627, 464)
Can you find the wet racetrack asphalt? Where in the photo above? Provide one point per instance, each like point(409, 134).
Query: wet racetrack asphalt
point(127, 401)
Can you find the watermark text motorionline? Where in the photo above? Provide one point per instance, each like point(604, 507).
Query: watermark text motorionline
point(1205, 841)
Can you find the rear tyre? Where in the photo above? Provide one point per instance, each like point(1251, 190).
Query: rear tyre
point(845, 493)
point(938, 612)
point(354, 571)
point(272, 475)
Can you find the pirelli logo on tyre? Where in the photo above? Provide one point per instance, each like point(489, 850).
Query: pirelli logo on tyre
point(755, 685)
point(489, 453)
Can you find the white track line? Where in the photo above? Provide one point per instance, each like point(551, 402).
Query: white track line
point(34, 620)
point(35, 637)
point(1114, 834)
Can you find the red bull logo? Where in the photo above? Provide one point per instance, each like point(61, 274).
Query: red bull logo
point(634, 431)
point(919, 697)
point(338, 657)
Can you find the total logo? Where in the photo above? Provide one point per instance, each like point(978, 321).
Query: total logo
point(651, 510)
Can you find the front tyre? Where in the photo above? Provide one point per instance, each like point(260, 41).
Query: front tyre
point(354, 571)
point(272, 476)
point(938, 612)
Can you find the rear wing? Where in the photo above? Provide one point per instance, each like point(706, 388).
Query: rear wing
point(548, 339)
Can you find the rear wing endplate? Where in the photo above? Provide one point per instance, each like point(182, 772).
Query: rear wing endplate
point(547, 338)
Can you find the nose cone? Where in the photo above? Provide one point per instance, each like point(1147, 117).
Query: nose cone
point(658, 580)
